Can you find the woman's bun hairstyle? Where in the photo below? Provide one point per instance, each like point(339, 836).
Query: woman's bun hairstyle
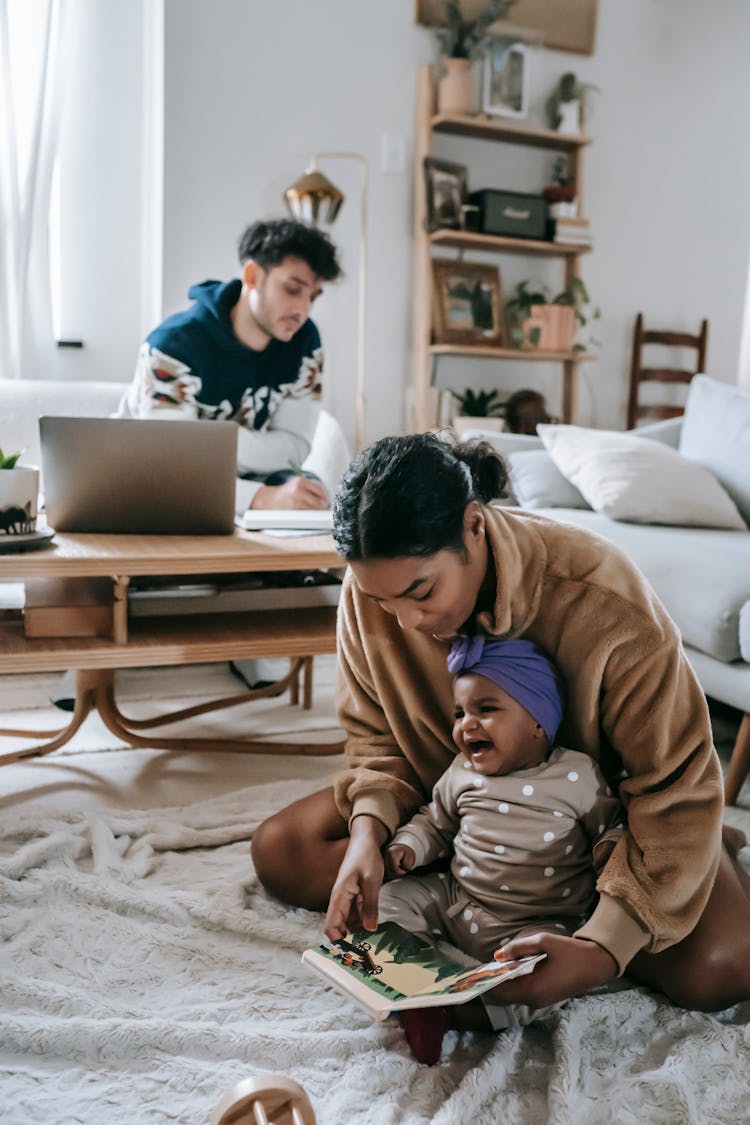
point(406, 496)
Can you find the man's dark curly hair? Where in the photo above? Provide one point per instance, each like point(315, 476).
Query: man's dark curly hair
point(269, 241)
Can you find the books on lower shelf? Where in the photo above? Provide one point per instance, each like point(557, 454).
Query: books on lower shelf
point(231, 594)
point(564, 209)
point(390, 970)
point(572, 231)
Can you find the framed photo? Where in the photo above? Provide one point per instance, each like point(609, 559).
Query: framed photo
point(446, 186)
point(506, 79)
point(467, 303)
point(567, 25)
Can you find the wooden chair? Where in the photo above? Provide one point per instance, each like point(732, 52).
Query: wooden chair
point(267, 1099)
point(665, 375)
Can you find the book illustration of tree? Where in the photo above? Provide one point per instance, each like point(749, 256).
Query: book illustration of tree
point(409, 949)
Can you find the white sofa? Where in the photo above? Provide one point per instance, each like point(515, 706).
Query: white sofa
point(701, 574)
point(23, 401)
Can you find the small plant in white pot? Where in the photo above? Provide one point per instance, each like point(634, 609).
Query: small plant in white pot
point(478, 404)
point(19, 490)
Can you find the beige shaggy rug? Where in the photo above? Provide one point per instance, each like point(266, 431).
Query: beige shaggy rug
point(145, 971)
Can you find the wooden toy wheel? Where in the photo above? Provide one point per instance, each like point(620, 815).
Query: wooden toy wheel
point(267, 1099)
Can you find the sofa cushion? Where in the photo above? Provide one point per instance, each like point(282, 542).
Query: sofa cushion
point(745, 632)
point(632, 478)
point(701, 576)
point(22, 401)
point(538, 483)
point(716, 434)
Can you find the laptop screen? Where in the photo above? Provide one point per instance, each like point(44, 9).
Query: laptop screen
point(152, 476)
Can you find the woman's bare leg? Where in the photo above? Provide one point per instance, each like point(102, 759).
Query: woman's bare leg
point(298, 851)
point(710, 969)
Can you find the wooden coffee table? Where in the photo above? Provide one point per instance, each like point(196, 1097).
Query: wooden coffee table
point(152, 641)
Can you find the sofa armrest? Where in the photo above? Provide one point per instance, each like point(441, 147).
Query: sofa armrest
point(667, 432)
point(22, 401)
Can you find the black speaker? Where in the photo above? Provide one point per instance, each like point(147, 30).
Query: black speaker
point(512, 213)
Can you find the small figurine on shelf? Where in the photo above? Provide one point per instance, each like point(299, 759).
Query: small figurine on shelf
point(565, 104)
point(520, 414)
point(562, 189)
point(524, 410)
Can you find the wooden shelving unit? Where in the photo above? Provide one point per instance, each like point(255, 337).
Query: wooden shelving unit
point(486, 351)
point(495, 243)
point(427, 353)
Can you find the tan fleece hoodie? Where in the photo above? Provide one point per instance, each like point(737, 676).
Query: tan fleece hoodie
point(633, 704)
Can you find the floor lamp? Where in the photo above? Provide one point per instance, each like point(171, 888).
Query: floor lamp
point(315, 200)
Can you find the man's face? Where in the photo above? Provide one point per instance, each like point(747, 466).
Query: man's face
point(281, 297)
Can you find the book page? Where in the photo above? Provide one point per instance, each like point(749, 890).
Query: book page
point(399, 970)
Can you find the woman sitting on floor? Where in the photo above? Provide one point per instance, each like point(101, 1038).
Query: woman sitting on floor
point(430, 560)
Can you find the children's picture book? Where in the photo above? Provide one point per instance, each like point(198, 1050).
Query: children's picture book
point(389, 969)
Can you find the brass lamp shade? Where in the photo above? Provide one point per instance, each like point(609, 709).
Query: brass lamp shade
point(313, 199)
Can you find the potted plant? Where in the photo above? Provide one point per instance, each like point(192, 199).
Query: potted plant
point(19, 488)
point(461, 40)
point(550, 323)
point(478, 404)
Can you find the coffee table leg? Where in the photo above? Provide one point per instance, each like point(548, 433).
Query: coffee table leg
point(87, 686)
point(123, 727)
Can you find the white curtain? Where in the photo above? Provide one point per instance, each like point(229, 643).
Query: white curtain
point(30, 98)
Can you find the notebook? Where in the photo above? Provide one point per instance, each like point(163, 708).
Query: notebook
point(139, 476)
point(287, 519)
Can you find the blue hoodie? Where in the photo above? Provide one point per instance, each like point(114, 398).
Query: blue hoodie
point(232, 376)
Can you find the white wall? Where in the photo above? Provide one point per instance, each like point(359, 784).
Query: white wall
point(669, 179)
point(251, 90)
point(665, 186)
point(100, 194)
point(253, 87)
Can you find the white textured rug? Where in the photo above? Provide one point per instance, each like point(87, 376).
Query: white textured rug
point(144, 972)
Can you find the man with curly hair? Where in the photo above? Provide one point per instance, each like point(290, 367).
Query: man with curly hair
point(246, 350)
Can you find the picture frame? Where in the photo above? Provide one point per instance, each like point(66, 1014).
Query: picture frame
point(565, 25)
point(467, 303)
point(446, 187)
point(505, 86)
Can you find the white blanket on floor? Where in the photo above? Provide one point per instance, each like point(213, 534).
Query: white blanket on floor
point(145, 971)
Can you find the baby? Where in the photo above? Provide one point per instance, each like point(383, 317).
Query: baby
point(527, 821)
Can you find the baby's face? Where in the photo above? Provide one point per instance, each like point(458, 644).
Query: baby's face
point(494, 732)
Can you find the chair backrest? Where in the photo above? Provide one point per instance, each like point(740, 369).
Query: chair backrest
point(640, 374)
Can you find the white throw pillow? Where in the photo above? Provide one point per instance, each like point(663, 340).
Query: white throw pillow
point(631, 478)
point(716, 434)
point(538, 483)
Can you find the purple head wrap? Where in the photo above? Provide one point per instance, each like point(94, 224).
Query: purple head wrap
point(519, 667)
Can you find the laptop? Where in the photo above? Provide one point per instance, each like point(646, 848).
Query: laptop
point(135, 476)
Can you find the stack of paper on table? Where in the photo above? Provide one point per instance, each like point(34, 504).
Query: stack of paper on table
point(287, 520)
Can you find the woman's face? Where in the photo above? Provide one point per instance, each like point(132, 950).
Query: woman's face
point(435, 594)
